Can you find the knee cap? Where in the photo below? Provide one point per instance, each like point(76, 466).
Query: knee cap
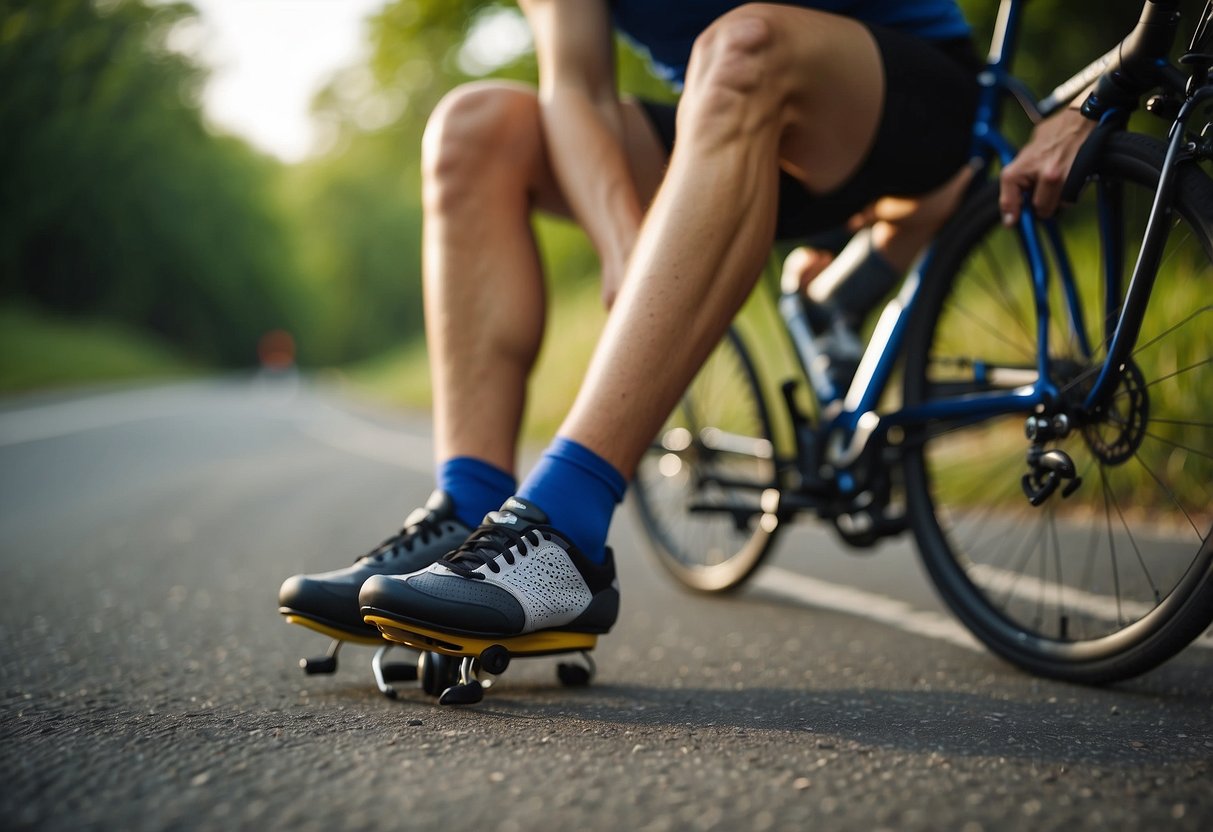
point(470, 127)
point(734, 52)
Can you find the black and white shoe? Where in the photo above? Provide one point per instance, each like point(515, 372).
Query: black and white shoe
point(515, 582)
point(327, 602)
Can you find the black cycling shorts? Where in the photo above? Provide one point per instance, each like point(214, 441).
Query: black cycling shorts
point(924, 136)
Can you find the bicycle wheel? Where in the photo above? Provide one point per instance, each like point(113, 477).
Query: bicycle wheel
point(1118, 577)
point(698, 488)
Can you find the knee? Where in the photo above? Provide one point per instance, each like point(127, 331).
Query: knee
point(474, 129)
point(733, 78)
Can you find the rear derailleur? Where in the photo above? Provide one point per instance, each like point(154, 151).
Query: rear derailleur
point(1051, 469)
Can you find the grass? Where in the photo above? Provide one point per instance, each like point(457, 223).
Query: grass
point(401, 377)
point(38, 350)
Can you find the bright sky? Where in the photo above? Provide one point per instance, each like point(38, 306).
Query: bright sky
point(269, 57)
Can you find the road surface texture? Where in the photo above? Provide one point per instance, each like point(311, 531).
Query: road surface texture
point(148, 681)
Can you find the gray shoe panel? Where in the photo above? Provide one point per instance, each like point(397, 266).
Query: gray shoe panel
point(334, 595)
point(446, 601)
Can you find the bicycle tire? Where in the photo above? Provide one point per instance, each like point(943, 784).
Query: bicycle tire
point(680, 475)
point(1060, 621)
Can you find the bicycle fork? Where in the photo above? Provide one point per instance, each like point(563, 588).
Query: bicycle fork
point(1132, 312)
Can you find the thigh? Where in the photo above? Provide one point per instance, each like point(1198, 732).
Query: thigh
point(853, 92)
point(924, 136)
point(810, 82)
point(867, 112)
point(825, 75)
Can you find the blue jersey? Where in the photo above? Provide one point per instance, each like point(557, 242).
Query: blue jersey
point(668, 28)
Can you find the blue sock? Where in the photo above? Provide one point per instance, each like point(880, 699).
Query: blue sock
point(476, 487)
point(578, 490)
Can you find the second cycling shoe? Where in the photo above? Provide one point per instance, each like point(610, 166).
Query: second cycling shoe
point(516, 581)
point(328, 601)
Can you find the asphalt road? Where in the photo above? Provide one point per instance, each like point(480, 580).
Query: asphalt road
point(147, 681)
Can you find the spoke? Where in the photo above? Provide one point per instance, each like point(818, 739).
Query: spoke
point(1009, 302)
point(1107, 502)
point(1095, 368)
point(1180, 372)
point(1120, 420)
point(1172, 244)
point(1088, 571)
point(719, 396)
point(1185, 422)
point(1061, 607)
point(1136, 550)
point(1179, 445)
point(1170, 494)
point(1029, 546)
point(1044, 561)
point(964, 425)
point(1005, 551)
point(989, 329)
point(1171, 329)
point(1081, 377)
point(941, 468)
point(997, 536)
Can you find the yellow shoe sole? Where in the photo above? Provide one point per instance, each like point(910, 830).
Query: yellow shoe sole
point(333, 632)
point(543, 643)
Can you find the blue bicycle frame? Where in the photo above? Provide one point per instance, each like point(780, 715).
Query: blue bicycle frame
point(858, 419)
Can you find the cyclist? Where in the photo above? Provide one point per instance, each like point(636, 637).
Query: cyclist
point(793, 117)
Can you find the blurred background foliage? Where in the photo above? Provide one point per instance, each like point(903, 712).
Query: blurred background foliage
point(120, 205)
point(116, 201)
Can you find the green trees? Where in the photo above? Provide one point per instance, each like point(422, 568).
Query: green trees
point(117, 202)
point(115, 199)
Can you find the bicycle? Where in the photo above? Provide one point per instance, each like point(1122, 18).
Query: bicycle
point(1089, 558)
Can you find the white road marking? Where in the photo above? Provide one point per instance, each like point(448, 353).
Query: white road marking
point(842, 598)
point(870, 605)
point(1029, 588)
point(1102, 607)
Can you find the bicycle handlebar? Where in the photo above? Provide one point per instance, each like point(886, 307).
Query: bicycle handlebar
point(1139, 63)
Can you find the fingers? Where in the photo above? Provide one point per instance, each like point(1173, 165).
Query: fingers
point(1047, 194)
point(1045, 187)
point(801, 266)
point(1042, 166)
point(1012, 185)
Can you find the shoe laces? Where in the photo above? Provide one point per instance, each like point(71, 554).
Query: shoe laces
point(486, 545)
point(421, 532)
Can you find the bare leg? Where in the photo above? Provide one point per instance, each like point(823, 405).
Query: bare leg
point(485, 168)
point(901, 228)
point(767, 86)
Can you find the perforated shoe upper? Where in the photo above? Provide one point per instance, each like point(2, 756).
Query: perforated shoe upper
point(515, 574)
